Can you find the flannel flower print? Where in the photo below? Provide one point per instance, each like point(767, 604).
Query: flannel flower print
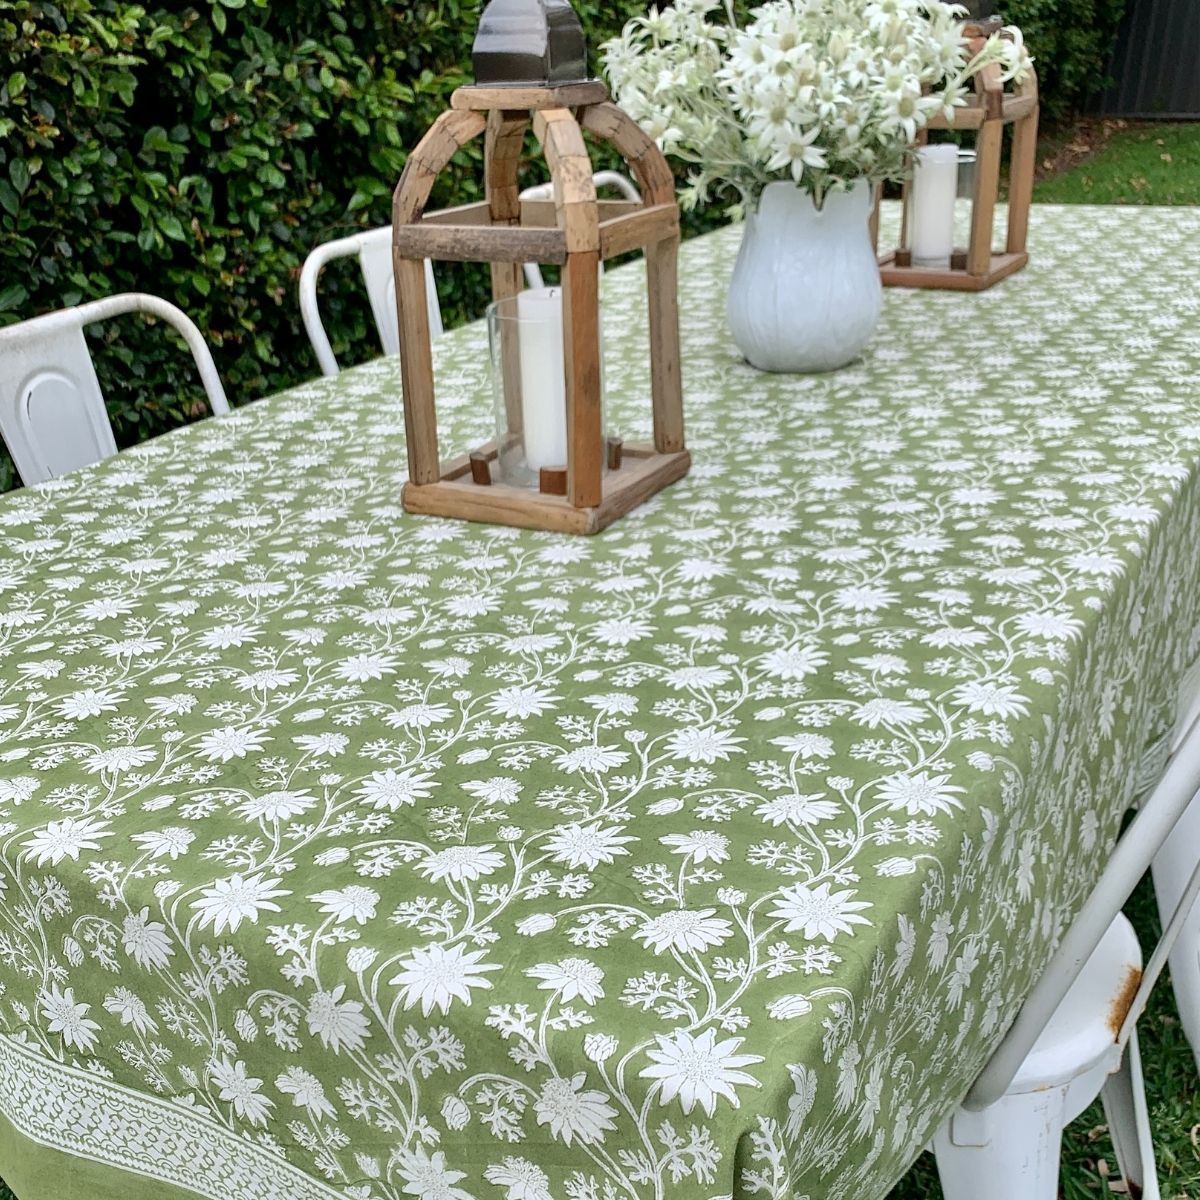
point(384, 857)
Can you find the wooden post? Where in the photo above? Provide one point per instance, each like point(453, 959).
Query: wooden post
point(448, 135)
point(416, 371)
point(502, 154)
point(990, 87)
point(666, 384)
point(575, 201)
point(657, 185)
point(987, 186)
point(1021, 173)
point(988, 147)
point(581, 336)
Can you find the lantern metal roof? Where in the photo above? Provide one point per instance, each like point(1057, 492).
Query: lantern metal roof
point(524, 42)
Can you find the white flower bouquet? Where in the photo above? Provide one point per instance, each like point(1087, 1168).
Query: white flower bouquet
point(822, 92)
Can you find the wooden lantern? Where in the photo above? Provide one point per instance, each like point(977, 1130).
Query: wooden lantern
point(598, 482)
point(979, 266)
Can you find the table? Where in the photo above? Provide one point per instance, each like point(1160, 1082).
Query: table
point(347, 854)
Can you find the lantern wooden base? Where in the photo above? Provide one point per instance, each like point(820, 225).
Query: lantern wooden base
point(947, 278)
point(456, 495)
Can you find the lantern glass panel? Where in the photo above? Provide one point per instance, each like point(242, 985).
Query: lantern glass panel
point(967, 160)
point(525, 339)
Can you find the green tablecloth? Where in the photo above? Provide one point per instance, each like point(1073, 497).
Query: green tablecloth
point(345, 854)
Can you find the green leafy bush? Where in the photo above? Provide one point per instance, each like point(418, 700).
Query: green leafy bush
point(1072, 41)
point(199, 152)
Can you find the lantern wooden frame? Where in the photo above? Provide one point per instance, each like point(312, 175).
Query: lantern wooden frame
point(992, 108)
point(577, 232)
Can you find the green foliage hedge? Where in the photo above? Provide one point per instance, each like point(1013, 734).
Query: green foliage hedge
point(1072, 41)
point(199, 151)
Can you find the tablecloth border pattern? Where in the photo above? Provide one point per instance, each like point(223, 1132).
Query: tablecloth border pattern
point(70, 1110)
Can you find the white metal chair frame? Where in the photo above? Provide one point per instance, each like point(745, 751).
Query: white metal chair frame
point(1173, 865)
point(1116, 1073)
point(373, 249)
point(52, 413)
point(1130, 859)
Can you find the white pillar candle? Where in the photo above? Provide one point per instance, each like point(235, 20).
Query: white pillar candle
point(934, 189)
point(543, 377)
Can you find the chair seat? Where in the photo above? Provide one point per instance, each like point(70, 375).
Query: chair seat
point(1082, 1033)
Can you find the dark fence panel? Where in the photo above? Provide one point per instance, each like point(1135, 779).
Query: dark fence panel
point(1156, 65)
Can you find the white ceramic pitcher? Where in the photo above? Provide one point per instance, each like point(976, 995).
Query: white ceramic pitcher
point(806, 292)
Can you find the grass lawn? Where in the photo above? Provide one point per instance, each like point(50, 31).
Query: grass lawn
point(1118, 162)
point(1114, 162)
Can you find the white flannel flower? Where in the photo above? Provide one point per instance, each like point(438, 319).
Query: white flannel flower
point(822, 94)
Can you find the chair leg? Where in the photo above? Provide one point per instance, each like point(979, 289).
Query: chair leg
point(1185, 981)
point(1129, 1124)
point(1010, 1149)
point(1173, 866)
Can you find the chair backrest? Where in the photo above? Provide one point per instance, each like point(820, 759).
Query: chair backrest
point(52, 413)
point(1131, 858)
point(373, 249)
point(375, 258)
point(601, 179)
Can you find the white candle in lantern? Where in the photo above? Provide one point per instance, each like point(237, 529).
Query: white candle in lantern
point(543, 377)
point(934, 190)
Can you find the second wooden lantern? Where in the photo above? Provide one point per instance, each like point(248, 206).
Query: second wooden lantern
point(530, 52)
point(978, 266)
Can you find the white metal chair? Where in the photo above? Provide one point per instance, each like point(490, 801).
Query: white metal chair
point(52, 414)
point(1173, 865)
point(545, 191)
point(373, 249)
point(1075, 1037)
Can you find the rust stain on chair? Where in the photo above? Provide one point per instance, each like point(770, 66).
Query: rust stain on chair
point(1119, 1009)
